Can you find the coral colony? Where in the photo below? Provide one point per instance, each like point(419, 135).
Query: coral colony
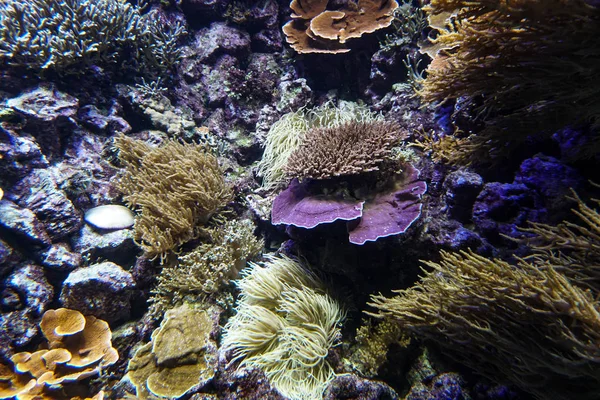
point(305, 200)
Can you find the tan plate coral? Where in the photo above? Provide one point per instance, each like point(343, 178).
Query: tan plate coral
point(78, 347)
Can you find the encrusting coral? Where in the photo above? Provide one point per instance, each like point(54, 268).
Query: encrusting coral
point(287, 134)
point(527, 324)
point(176, 189)
point(285, 325)
point(180, 356)
point(348, 149)
point(78, 347)
point(208, 267)
point(314, 29)
point(526, 67)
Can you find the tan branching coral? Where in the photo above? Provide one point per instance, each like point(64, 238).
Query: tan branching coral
point(176, 189)
point(207, 268)
point(527, 324)
point(314, 29)
point(348, 149)
point(528, 66)
point(180, 355)
point(571, 248)
point(78, 347)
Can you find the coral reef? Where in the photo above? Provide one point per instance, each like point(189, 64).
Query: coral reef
point(176, 187)
point(348, 149)
point(78, 347)
point(287, 135)
point(207, 268)
point(371, 214)
point(528, 323)
point(316, 29)
point(285, 325)
point(180, 356)
point(521, 65)
point(58, 34)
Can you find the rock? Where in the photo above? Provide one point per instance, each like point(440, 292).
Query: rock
point(91, 117)
point(116, 246)
point(462, 188)
point(19, 154)
point(59, 257)
point(40, 193)
point(24, 299)
point(220, 39)
point(22, 223)
point(47, 113)
point(535, 172)
point(110, 216)
point(102, 290)
point(501, 208)
point(448, 386)
point(350, 386)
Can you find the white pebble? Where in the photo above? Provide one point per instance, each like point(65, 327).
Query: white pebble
point(110, 216)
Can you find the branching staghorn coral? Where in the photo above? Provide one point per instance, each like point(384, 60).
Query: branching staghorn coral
point(347, 149)
point(176, 189)
point(529, 325)
point(286, 135)
point(285, 325)
point(208, 267)
point(44, 34)
point(528, 66)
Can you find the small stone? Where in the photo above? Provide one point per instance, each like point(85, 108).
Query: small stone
point(350, 386)
point(116, 246)
point(22, 223)
point(25, 297)
point(59, 257)
point(110, 216)
point(462, 188)
point(102, 290)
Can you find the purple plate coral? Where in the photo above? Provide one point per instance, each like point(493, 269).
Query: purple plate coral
point(383, 214)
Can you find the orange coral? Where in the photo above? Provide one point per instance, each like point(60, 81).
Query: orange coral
point(314, 29)
point(78, 347)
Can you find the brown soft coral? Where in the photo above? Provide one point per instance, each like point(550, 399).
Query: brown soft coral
point(314, 29)
point(525, 67)
point(348, 149)
point(176, 188)
point(78, 347)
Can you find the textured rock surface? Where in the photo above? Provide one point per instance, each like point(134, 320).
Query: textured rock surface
point(25, 296)
point(59, 257)
point(22, 223)
point(350, 386)
point(102, 290)
point(111, 245)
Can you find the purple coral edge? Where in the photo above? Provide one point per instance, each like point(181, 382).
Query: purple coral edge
point(325, 221)
point(389, 234)
point(288, 208)
point(420, 188)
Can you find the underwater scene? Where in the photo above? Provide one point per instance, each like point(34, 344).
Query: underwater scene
point(300, 199)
